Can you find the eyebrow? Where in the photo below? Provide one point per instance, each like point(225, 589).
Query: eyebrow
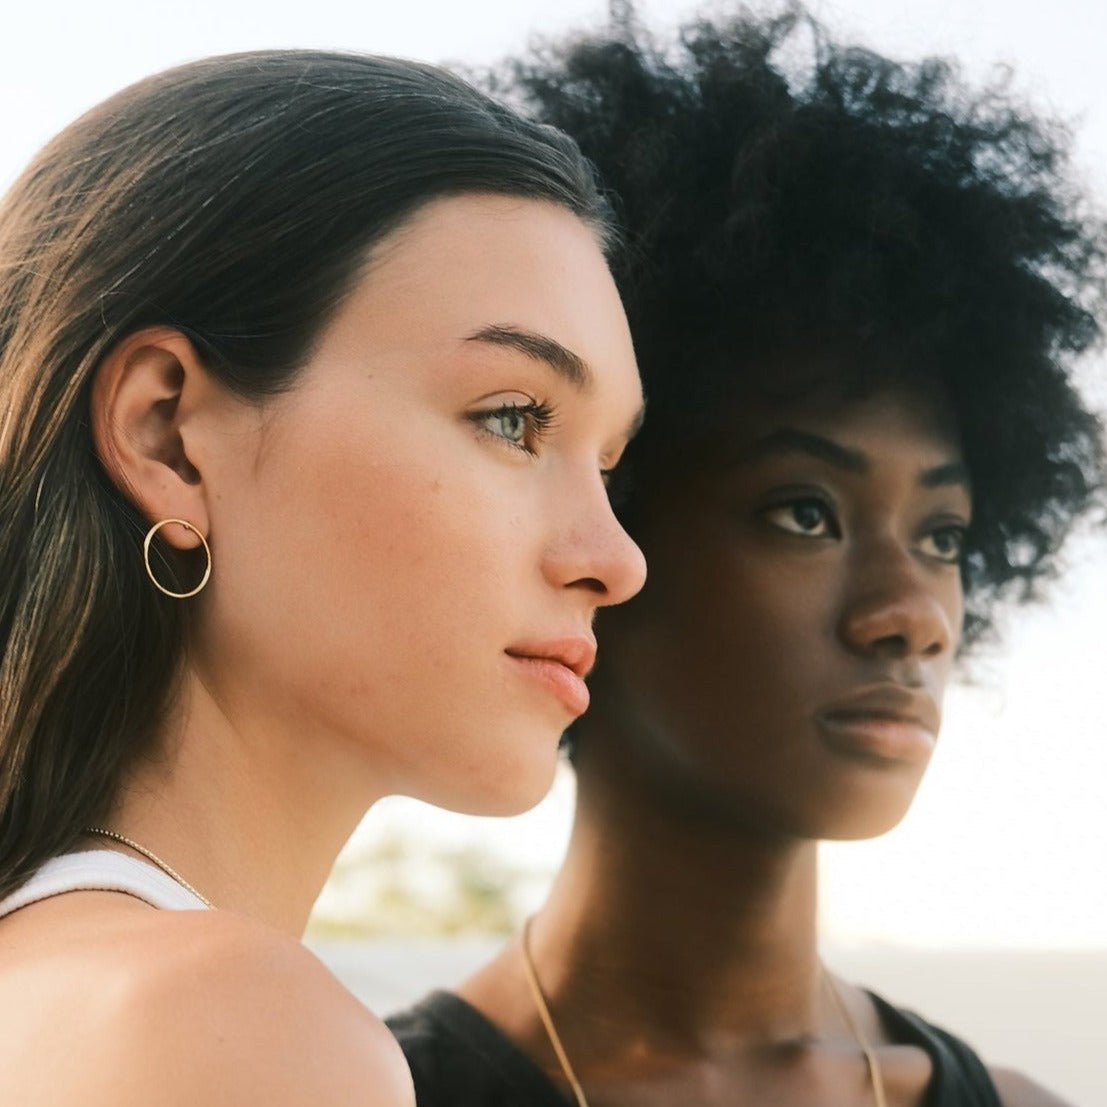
point(942, 476)
point(787, 440)
point(539, 347)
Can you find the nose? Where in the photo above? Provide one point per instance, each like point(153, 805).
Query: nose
point(898, 610)
point(593, 553)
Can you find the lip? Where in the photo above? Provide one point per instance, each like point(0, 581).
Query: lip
point(890, 722)
point(560, 666)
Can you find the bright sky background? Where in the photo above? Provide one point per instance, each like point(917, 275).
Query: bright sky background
point(1007, 843)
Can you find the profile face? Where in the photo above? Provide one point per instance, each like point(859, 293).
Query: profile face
point(411, 544)
point(785, 665)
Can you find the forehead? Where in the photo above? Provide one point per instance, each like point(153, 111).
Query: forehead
point(899, 431)
point(467, 262)
point(894, 420)
point(467, 265)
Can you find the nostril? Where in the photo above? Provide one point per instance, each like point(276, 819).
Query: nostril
point(593, 584)
point(895, 645)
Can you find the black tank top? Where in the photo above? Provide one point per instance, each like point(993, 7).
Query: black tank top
point(460, 1059)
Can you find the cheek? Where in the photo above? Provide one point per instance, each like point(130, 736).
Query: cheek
point(956, 608)
point(366, 577)
point(724, 642)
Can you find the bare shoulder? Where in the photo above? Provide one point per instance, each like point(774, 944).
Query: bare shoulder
point(221, 1010)
point(1016, 1090)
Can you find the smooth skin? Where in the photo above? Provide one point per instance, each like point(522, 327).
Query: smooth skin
point(392, 539)
point(809, 557)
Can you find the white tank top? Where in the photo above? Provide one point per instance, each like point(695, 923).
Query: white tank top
point(103, 870)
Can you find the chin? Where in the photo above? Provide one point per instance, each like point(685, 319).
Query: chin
point(505, 778)
point(823, 814)
point(857, 803)
point(857, 822)
point(859, 830)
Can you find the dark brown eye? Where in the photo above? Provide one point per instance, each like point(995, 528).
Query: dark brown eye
point(945, 543)
point(808, 517)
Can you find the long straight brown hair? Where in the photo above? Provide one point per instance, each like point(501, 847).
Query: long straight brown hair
point(236, 200)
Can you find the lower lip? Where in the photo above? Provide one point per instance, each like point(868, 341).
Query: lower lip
point(558, 679)
point(882, 738)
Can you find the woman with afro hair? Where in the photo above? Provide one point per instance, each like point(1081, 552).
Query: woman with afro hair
point(857, 290)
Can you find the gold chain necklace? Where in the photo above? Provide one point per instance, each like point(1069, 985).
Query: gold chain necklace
point(876, 1077)
point(547, 1019)
point(152, 857)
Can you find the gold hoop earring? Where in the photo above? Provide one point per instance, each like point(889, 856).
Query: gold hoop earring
point(150, 572)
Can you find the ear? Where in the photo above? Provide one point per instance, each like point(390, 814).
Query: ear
point(145, 396)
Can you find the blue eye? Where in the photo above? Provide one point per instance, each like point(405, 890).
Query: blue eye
point(520, 426)
point(509, 423)
point(808, 517)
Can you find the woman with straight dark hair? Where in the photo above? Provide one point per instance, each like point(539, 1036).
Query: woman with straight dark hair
point(857, 289)
point(311, 373)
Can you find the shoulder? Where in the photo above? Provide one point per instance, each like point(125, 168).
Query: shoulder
point(1016, 1090)
point(217, 1009)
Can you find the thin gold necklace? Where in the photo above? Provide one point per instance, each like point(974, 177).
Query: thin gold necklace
point(876, 1077)
point(547, 1019)
point(152, 857)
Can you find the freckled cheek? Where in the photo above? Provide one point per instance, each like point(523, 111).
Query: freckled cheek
point(410, 535)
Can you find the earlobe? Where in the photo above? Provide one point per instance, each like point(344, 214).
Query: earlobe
point(142, 397)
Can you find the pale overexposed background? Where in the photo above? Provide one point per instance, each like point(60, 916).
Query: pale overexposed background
point(988, 908)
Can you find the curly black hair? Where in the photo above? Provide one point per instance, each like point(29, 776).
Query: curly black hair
point(785, 197)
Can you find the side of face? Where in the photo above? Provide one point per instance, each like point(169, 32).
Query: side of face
point(784, 667)
point(427, 509)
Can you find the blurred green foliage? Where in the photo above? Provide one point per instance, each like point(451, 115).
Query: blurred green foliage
point(397, 886)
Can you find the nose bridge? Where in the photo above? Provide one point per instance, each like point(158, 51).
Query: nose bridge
point(892, 604)
point(590, 548)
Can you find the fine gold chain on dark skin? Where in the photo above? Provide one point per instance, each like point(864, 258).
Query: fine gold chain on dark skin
point(876, 1078)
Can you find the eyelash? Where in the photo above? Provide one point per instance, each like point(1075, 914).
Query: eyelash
point(956, 529)
point(542, 418)
point(538, 419)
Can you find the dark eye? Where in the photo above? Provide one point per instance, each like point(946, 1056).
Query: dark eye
point(945, 544)
point(808, 517)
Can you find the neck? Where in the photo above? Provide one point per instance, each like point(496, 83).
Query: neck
point(695, 935)
point(251, 813)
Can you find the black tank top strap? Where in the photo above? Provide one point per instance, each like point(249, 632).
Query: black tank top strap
point(460, 1059)
point(960, 1078)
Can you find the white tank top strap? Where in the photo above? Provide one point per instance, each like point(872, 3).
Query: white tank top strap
point(102, 870)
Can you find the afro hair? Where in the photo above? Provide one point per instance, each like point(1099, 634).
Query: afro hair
point(782, 196)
